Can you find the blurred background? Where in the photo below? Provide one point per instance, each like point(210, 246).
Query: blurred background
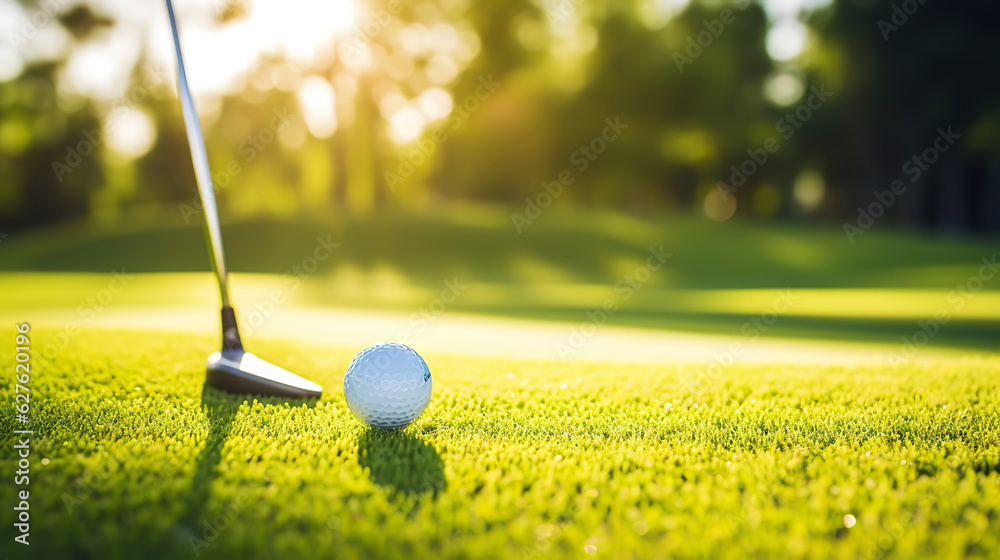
point(535, 151)
point(90, 126)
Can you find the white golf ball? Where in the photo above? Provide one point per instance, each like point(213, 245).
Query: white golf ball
point(387, 385)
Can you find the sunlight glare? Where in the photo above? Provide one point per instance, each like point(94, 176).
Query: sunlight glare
point(442, 69)
point(443, 38)
point(99, 68)
point(786, 39)
point(130, 132)
point(303, 26)
point(406, 125)
point(316, 97)
point(435, 103)
point(10, 64)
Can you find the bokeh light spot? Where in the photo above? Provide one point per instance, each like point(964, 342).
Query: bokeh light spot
point(130, 132)
point(720, 207)
point(809, 190)
point(316, 97)
point(406, 125)
point(786, 39)
point(435, 103)
point(784, 88)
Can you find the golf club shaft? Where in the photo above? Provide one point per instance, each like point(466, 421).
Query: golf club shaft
point(202, 173)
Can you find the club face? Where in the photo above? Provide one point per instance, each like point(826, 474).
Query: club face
point(243, 372)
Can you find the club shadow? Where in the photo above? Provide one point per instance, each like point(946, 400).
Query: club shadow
point(401, 462)
point(221, 409)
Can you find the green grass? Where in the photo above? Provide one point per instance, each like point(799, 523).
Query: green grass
point(133, 458)
point(512, 459)
point(480, 244)
point(565, 264)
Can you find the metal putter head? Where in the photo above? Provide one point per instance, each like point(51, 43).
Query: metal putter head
point(232, 369)
point(242, 372)
point(238, 371)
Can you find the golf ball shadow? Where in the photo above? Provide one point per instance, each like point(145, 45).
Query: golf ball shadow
point(387, 385)
point(401, 462)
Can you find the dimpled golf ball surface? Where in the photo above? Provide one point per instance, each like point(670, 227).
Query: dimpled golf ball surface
point(387, 385)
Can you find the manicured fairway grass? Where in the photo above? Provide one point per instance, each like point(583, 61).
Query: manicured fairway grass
point(132, 458)
point(717, 277)
point(512, 459)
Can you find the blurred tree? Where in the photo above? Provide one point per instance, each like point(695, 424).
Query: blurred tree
point(47, 172)
point(442, 99)
point(906, 69)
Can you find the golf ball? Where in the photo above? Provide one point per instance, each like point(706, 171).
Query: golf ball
point(387, 385)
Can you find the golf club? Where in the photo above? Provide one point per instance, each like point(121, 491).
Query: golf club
point(232, 369)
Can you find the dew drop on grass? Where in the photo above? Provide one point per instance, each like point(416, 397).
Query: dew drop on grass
point(849, 521)
point(590, 549)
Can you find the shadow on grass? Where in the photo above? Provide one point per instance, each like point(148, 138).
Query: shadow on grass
point(401, 463)
point(968, 334)
point(221, 409)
